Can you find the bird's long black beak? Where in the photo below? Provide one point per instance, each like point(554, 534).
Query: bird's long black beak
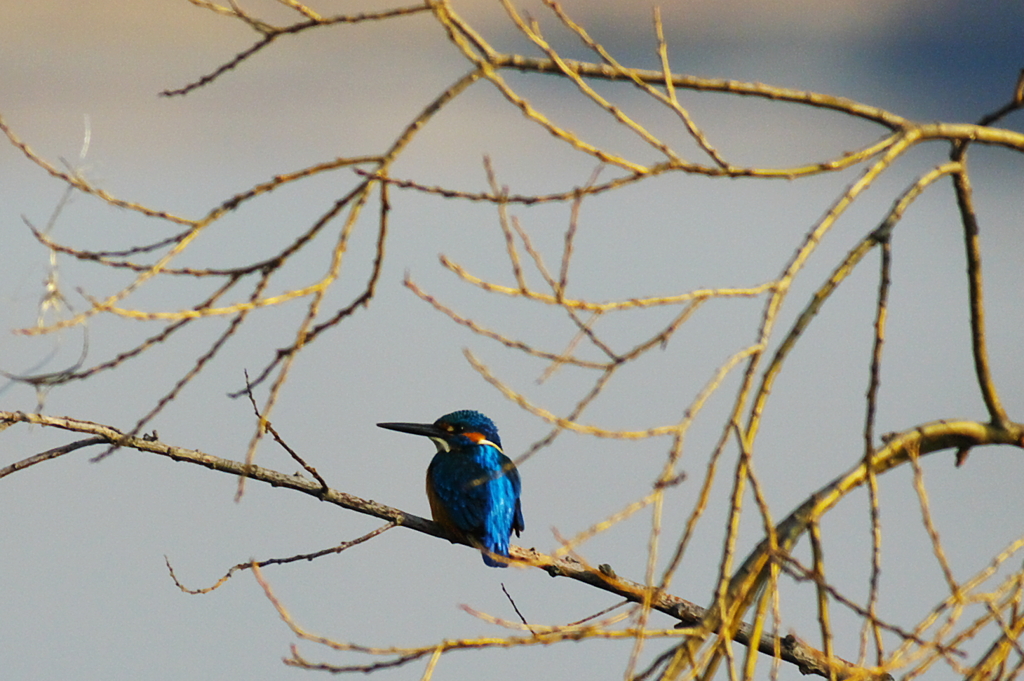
point(427, 429)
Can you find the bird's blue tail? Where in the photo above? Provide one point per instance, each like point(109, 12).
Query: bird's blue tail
point(494, 547)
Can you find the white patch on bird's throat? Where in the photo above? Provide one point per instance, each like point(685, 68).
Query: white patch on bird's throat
point(441, 444)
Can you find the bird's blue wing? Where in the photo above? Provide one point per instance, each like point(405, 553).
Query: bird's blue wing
point(518, 524)
point(476, 492)
point(465, 502)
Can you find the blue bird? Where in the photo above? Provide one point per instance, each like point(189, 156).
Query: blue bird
point(473, 488)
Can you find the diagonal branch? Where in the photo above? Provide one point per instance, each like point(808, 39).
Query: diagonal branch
point(604, 577)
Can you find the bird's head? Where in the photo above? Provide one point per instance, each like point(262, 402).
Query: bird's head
point(454, 431)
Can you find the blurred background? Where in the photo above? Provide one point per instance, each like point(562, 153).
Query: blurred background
point(84, 592)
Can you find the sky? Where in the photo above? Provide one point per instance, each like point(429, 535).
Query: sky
point(85, 592)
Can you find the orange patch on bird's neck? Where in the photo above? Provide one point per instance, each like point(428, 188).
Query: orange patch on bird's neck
point(479, 439)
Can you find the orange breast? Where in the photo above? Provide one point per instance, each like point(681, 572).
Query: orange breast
point(439, 514)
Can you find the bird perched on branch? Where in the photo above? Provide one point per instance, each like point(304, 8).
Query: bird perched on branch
point(473, 488)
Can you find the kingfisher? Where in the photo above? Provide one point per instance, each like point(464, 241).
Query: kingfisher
point(473, 488)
